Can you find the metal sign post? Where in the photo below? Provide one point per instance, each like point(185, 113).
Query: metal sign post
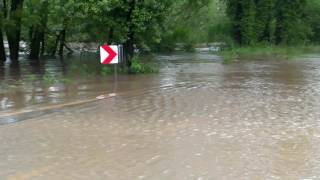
point(112, 55)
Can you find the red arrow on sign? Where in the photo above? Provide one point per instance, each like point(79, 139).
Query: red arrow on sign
point(107, 54)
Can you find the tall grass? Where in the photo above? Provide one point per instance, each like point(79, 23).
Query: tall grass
point(268, 52)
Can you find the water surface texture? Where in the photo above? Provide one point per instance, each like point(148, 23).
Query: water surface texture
point(198, 119)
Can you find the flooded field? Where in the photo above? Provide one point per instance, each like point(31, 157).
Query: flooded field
point(197, 119)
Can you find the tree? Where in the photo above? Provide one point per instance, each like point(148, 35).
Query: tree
point(2, 16)
point(143, 19)
point(234, 11)
point(291, 27)
point(242, 14)
point(62, 36)
point(261, 20)
point(127, 22)
point(61, 15)
point(313, 18)
point(2, 50)
point(129, 44)
point(247, 27)
point(264, 20)
point(13, 29)
point(37, 37)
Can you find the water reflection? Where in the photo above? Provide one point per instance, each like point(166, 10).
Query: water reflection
point(197, 119)
point(54, 81)
point(34, 83)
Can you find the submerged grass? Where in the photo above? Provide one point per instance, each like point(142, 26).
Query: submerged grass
point(268, 52)
point(139, 66)
point(142, 67)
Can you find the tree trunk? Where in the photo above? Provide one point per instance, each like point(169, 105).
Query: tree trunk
point(279, 30)
point(35, 45)
point(43, 44)
point(14, 30)
point(2, 50)
point(129, 44)
point(236, 23)
point(62, 41)
point(31, 32)
point(54, 50)
point(62, 38)
point(44, 24)
point(4, 7)
point(38, 34)
point(264, 19)
point(110, 35)
point(267, 33)
point(129, 49)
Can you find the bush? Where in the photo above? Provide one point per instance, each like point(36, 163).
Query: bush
point(106, 70)
point(189, 47)
point(138, 67)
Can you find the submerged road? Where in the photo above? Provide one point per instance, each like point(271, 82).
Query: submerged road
point(198, 119)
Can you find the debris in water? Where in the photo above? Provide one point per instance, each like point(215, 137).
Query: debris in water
point(112, 95)
point(101, 97)
point(104, 96)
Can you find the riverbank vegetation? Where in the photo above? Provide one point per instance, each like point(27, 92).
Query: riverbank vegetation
point(138, 66)
point(244, 27)
point(266, 52)
point(281, 28)
point(48, 26)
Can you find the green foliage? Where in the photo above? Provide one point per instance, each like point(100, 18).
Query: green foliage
point(243, 15)
point(313, 19)
point(139, 67)
point(264, 20)
point(285, 22)
point(248, 36)
point(188, 23)
point(106, 71)
point(30, 78)
point(220, 31)
point(167, 44)
point(49, 79)
point(152, 25)
point(101, 21)
point(189, 46)
point(265, 52)
point(291, 27)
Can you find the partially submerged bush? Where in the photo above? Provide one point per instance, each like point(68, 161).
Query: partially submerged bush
point(139, 67)
point(189, 47)
point(106, 70)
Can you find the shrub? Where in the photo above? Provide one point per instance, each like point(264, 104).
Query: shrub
point(139, 67)
point(106, 70)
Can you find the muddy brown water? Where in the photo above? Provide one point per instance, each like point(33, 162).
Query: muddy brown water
point(197, 119)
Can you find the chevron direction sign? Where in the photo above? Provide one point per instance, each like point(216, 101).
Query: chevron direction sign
point(109, 54)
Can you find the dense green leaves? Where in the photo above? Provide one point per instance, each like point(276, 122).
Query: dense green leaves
point(313, 19)
point(270, 21)
point(48, 25)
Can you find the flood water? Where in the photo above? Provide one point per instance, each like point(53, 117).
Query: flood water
point(197, 119)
